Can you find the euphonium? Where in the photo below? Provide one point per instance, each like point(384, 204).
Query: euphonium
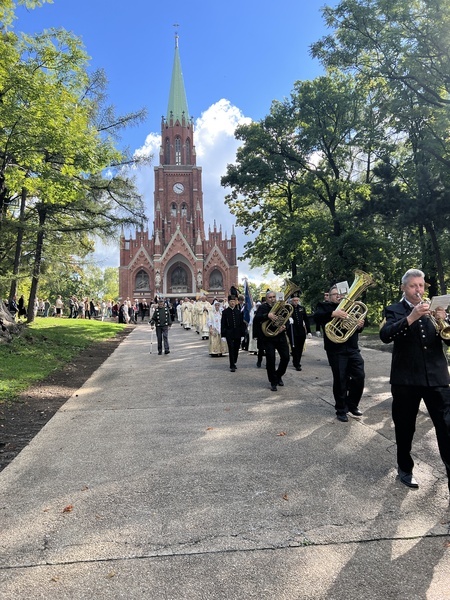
point(282, 310)
point(339, 330)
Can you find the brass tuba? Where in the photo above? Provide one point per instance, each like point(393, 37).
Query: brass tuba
point(339, 330)
point(282, 310)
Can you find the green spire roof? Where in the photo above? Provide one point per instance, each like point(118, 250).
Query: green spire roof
point(177, 99)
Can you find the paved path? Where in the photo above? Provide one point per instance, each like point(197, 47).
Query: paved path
point(169, 478)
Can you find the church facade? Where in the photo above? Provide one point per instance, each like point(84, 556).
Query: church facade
point(177, 259)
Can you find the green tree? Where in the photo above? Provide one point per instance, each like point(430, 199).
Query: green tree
point(8, 9)
point(58, 145)
point(405, 47)
point(300, 178)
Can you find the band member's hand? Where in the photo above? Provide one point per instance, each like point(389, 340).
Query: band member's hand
point(419, 311)
point(272, 316)
point(283, 328)
point(360, 324)
point(341, 314)
point(440, 313)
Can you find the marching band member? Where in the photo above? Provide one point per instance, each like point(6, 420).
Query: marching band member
point(419, 371)
point(346, 362)
point(271, 344)
point(297, 331)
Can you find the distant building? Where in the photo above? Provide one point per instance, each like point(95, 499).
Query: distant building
point(177, 260)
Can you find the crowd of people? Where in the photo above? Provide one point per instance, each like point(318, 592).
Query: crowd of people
point(74, 308)
point(230, 325)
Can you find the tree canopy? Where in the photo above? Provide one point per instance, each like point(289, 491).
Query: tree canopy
point(351, 172)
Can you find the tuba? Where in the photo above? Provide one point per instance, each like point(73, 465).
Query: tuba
point(282, 310)
point(339, 330)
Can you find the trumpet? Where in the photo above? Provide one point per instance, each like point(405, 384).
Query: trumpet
point(441, 325)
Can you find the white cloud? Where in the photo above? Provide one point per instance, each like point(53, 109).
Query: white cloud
point(216, 147)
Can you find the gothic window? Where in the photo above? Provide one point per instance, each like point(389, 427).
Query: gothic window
point(173, 210)
point(142, 281)
point(177, 151)
point(167, 152)
point(188, 152)
point(179, 277)
point(184, 210)
point(216, 280)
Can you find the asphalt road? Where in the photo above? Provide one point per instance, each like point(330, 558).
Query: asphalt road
point(168, 478)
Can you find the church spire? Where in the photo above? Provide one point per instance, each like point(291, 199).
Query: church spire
point(178, 107)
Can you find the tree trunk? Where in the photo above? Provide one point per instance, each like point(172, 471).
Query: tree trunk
point(42, 211)
point(18, 253)
point(438, 266)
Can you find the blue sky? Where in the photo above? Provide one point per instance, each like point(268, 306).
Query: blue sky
point(237, 56)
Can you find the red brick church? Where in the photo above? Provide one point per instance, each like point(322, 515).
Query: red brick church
point(177, 260)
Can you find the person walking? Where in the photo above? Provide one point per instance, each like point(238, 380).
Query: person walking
point(271, 345)
point(345, 360)
point(232, 328)
point(419, 371)
point(162, 320)
point(297, 331)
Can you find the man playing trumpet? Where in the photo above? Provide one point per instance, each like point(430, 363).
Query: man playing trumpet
point(419, 371)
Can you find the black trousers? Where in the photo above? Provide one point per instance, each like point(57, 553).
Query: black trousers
point(233, 349)
point(405, 406)
point(297, 349)
point(272, 345)
point(162, 335)
point(347, 367)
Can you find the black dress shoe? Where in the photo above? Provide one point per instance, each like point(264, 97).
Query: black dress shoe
point(280, 382)
point(167, 352)
point(258, 364)
point(160, 352)
point(273, 387)
point(407, 479)
point(355, 412)
point(233, 369)
point(298, 368)
point(342, 418)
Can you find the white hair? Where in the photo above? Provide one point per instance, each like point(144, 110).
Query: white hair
point(412, 273)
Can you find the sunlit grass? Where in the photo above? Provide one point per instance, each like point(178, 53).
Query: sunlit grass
point(45, 346)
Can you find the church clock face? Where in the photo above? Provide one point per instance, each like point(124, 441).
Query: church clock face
point(178, 188)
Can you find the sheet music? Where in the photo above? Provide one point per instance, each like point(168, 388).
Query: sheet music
point(442, 301)
point(342, 287)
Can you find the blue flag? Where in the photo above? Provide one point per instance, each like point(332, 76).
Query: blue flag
point(248, 302)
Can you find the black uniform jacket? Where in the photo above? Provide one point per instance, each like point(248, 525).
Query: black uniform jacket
point(232, 323)
point(418, 357)
point(300, 326)
point(322, 316)
point(161, 317)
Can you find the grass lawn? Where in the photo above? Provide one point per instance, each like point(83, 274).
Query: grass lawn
point(45, 346)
